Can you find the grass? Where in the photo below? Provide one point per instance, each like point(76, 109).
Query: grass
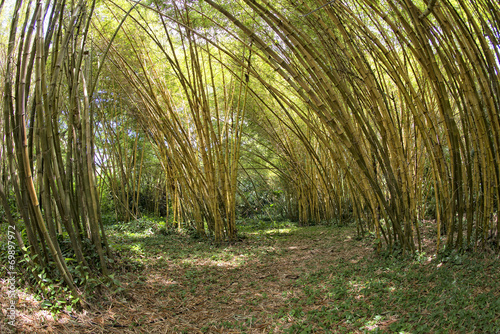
point(282, 278)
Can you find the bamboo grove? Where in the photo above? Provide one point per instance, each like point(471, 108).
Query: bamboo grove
point(194, 125)
point(47, 150)
point(383, 111)
point(407, 103)
point(384, 115)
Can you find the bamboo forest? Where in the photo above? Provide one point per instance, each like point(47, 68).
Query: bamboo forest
point(250, 166)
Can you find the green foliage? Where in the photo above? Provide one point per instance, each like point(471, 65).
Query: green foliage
point(412, 296)
point(44, 280)
point(143, 225)
point(262, 201)
point(41, 281)
point(11, 200)
point(265, 226)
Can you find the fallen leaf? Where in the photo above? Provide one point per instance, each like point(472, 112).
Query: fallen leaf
point(292, 276)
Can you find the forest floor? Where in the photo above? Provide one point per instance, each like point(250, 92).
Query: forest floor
point(280, 278)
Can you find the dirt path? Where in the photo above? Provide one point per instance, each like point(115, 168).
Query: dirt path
point(229, 293)
point(302, 280)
